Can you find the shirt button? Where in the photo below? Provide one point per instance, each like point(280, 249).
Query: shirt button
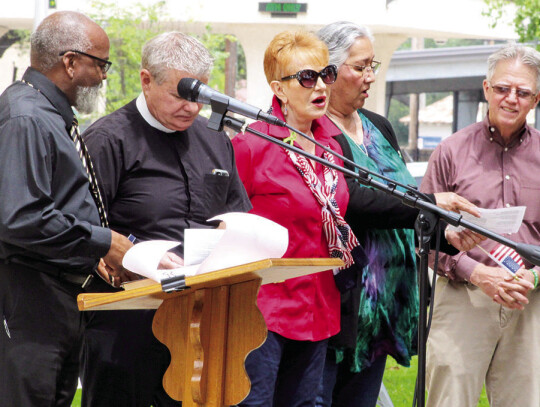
point(506, 149)
point(507, 205)
point(492, 129)
point(507, 177)
point(491, 139)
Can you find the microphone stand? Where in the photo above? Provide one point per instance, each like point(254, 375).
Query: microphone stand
point(425, 225)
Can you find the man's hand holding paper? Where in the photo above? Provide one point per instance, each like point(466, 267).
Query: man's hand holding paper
point(246, 238)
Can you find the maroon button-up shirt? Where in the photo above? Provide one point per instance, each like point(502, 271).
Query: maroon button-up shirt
point(476, 164)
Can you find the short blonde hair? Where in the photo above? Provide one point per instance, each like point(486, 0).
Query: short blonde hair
point(285, 48)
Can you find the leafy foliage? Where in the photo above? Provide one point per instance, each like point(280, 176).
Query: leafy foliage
point(20, 37)
point(215, 43)
point(396, 111)
point(526, 21)
point(128, 29)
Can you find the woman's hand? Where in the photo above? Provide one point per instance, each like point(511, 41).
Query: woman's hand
point(454, 202)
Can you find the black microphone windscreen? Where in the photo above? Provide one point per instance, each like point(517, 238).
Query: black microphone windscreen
point(187, 88)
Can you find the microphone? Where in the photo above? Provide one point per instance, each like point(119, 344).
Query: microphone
point(529, 252)
point(196, 91)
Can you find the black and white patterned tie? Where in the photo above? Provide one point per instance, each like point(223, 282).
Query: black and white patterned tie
point(86, 160)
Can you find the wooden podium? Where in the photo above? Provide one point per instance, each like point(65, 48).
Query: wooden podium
point(210, 326)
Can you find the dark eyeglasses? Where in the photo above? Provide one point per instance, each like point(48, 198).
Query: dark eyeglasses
point(507, 90)
point(308, 77)
point(106, 63)
point(373, 67)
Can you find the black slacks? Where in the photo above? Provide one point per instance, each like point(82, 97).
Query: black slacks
point(122, 363)
point(40, 338)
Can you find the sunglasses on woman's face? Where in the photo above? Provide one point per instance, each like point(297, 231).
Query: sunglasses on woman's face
point(308, 77)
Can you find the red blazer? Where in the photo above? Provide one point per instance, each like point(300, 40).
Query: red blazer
point(304, 308)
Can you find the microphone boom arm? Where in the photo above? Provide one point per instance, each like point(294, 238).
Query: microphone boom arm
point(528, 252)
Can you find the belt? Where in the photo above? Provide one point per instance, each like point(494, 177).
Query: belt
point(77, 279)
point(81, 280)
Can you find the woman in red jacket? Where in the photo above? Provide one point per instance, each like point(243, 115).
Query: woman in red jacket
point(309, 200)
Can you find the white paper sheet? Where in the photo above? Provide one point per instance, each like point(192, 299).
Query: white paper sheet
point(144, 258)
point(245, 239)
point(503, 220)
point(199, 243)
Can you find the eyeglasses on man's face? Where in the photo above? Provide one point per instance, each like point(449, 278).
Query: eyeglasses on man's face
point(105, 64)
point(504, 90)
point(308, 77)
point(364, 69)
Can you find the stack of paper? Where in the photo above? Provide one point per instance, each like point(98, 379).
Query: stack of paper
point(245, 239)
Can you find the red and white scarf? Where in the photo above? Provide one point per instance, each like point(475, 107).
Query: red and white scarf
point(340, 237)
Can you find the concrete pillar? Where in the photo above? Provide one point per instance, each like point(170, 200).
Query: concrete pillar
point(465, 108)
point(254, 41)
point(40, 12)
point(231, 64)
point(385, 45)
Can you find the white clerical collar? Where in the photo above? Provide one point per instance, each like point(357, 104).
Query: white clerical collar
point(145, 113)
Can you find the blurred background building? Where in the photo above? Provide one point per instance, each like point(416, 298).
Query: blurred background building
point(433, 52)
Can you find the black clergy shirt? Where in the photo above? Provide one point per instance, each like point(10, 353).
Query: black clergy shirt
point(48, 219)
point(156, 184)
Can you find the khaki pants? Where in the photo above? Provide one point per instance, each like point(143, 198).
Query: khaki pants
point(473, 340)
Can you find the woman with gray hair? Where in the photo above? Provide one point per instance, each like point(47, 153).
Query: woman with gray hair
point(379, 316)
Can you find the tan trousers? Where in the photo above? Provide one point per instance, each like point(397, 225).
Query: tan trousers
point(473, 340)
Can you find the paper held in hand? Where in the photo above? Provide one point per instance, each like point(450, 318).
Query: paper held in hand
point(503, 220)
point(245, 239)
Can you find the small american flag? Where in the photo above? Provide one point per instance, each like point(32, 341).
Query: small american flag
point(506, 257)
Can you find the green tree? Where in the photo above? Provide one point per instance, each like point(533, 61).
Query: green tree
point(11, 37)
point(216, 45)
point(128, 29)
point(526, 20)
point(396, 111)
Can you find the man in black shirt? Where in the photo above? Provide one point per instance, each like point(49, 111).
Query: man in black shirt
point(50, 234)
point(161, 171)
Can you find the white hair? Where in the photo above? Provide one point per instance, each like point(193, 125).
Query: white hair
point(59, 32)
point(526, 55)
point(339, 38)
point(174, 50)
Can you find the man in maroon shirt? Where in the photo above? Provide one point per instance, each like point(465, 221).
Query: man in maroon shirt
point(484, 328)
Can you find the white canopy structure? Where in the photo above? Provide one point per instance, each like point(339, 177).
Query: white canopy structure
point(391, 22)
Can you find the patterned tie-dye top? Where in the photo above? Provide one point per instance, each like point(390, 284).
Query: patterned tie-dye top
point(388, 313)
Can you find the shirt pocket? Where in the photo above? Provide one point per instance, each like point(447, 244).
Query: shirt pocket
point(216, 187)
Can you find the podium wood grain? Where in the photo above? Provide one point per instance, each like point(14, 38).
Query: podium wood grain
point(209, 327)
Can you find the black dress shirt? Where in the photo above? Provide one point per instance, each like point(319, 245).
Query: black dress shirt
point(48, 219)
point(156, 184)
